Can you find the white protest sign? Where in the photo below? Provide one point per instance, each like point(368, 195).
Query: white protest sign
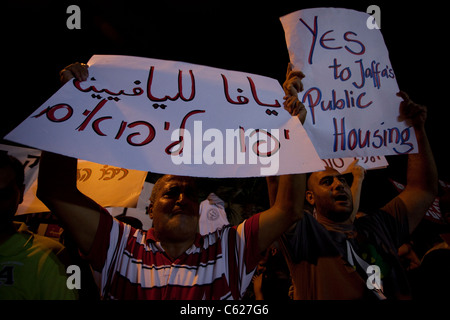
point(107, 185)
point(368, 163)
point(350, 86)
point(172, 117)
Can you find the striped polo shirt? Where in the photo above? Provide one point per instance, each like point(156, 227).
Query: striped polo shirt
point(133, 265)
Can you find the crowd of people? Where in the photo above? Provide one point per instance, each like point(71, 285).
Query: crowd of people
point(311, 242)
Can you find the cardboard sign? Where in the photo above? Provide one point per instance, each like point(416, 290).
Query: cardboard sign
point(368, 163)
point(107, 185)
point(172, 117)
point(350, 86)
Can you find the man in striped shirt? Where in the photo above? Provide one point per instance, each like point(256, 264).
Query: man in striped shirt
point(171, 260)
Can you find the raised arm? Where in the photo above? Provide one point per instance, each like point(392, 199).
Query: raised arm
point(292, 86)
point(286, 209)
point(358, 173)
point(286, 193)
point(57, 186)
point(422, 178)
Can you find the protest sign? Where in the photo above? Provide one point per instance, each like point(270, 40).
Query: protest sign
point(368, 163)
point(107, 185)
point(172, 117)
point(350, 86)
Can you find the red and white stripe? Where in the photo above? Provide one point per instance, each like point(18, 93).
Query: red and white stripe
point(219, 265)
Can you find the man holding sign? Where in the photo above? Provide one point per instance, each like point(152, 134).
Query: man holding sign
point(350, 88)
point(374, 237)
point(171, 260)
point(333, 256)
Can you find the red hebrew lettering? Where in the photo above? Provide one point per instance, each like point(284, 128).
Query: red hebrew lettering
point(51, 113)
point(180, 141)
point(122, 128)
point(257, 144)
point(95, 125)
point(147, 140)
point(112, 172)
point(91, 114)
point(150, 136)
point(84, 176)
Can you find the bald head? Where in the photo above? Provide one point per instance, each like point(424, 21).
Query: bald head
point(166, 178)
point(330, 194)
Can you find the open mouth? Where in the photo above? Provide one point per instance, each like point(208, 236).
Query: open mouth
point(341, 197)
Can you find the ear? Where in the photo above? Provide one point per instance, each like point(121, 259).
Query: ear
point(309, 196)
point(150, 210)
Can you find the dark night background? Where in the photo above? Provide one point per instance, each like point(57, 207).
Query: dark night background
point(238, 35)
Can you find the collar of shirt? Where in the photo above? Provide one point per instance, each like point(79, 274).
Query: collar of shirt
point(150, 237)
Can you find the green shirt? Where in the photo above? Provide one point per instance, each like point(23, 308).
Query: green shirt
point(30, 268)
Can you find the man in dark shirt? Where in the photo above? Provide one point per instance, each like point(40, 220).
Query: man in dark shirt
point(321, 255)
point(332, 255)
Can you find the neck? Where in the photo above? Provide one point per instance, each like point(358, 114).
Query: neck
point(345, 226)
point(176, 249)
point(6, 231)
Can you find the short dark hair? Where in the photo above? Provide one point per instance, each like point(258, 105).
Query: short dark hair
point(10, 161)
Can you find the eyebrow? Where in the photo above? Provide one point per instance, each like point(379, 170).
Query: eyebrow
point(345, 176)
point(327, 177)
point(172, 186)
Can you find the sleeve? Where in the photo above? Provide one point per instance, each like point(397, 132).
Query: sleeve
point(106, 254)
point(395, 219)
point(243, 254)
point(99, 249)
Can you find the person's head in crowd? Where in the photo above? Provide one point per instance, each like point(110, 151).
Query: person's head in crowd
point(174, 208)
point(11, 188)
point(329, 193)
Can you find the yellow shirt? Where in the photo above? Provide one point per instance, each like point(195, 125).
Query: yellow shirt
point(30, 268)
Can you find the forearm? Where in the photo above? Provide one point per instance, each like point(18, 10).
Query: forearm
point(272, 187)
point(57, 174)
point(57, 189)
point(290, 195)
point(287, 209)
point(422, 172)
point(422, 178)
point(422, 182)
point(287, 192)
point(356, 194)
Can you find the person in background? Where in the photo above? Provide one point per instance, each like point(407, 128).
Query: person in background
point(30, 265)
point(171, 260)
point(334, 256)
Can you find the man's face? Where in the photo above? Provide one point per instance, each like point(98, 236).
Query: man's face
point(175, 211)
point(330, 194)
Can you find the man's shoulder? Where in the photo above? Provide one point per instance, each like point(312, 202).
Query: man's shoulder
point(38, 242)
